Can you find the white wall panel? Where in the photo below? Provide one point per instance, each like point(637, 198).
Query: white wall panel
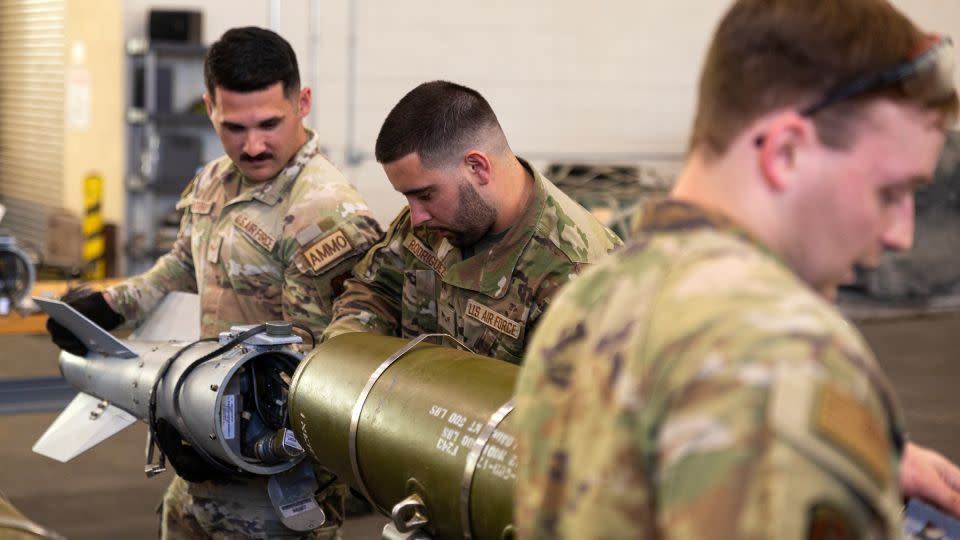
point(604, 80)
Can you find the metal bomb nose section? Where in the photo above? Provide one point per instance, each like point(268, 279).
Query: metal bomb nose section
point(234, 408)
point(227, 399)
point(424, 430)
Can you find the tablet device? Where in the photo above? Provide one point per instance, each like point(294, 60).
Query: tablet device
point(93, 337)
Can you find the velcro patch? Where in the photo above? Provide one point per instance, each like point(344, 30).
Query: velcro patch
point(493, 319)
point(254, 231)
point(328, 249)
point(425, 254)
point(798, 413)
point(201, 207)
point(844, 422)
point(308, 234)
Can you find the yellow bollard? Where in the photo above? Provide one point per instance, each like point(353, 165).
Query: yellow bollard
point(93, 240)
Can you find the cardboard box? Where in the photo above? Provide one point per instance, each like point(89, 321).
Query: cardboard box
point(64, 239)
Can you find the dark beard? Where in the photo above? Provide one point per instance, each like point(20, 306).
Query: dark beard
point(475, 217)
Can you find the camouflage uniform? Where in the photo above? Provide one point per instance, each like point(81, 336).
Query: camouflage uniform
point(254, 252)
point(415, 281)
point(691, 386)
point(258, 252)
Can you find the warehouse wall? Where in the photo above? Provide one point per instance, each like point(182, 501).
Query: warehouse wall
point(94, 138)
point(607, 81)
point(61, 90)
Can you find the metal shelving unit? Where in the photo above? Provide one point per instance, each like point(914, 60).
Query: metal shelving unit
point(168, 135)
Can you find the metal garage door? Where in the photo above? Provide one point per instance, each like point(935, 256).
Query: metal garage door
point(31, 114)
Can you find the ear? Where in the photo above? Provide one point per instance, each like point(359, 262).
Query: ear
point(479, 166)
point(785, 142)
point(209, 104)
point(303, 102)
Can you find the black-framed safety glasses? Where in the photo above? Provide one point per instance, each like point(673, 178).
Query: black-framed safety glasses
point(927, 73)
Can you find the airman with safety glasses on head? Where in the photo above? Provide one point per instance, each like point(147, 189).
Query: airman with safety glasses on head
point(699, 383)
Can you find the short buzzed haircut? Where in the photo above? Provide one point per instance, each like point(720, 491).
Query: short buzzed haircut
point(249, 59)
point(438, 120)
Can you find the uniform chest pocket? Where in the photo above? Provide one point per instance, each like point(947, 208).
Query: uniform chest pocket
point(247, 245)
point(198, 226)
point(495, 330)
point(254, 230)
point(419, 301)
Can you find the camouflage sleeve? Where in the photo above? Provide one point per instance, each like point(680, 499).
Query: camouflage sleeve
point(775, 444)
point(561, 272)
point(713, 439)
point(372, 297)
point(553, 267)
point(572, 248)
point(309, 291)
point(174, 271)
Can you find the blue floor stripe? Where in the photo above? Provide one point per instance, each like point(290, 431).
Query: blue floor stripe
point(34, 395)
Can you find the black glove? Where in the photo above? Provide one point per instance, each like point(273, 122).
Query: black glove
point(91, 305)
point(188, 463)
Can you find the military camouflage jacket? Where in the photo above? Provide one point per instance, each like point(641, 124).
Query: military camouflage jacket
point(416, 282)
point(691, 386)
point(256, 252)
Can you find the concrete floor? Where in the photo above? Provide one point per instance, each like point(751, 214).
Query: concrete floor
point(922, 359)
point(104, 494)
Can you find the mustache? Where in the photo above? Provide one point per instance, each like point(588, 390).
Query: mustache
point(259, 157)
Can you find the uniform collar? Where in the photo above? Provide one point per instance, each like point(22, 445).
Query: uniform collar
point(675, 215)
point(489, 272)
point(269, 192)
